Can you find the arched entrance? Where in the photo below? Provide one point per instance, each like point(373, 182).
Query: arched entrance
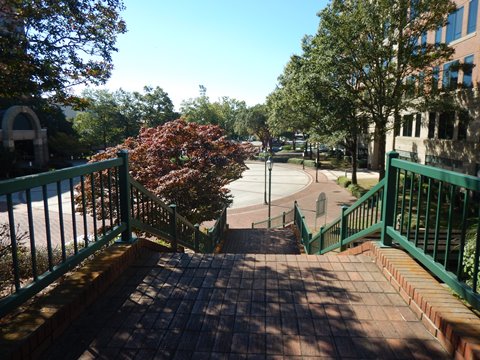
point(20, 124)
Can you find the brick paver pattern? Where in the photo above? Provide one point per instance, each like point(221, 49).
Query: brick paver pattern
point(262, 306)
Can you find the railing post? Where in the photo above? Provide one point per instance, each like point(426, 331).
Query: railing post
point(124, 196)
point(196, 238)
point(390, 192)
point(343, 227)
point(283, 219)
point(173, 226)
point(321, 240)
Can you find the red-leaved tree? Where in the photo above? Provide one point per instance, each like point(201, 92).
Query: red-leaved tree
point(186, 164)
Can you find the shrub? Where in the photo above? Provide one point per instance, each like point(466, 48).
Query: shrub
point(344, 181)
point(310, 163)
point(296, 161)
point(356, 190)
point(287, 147)
point(469, 255)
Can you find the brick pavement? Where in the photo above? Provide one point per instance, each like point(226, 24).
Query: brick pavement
point(260, 241)
point(275, 306)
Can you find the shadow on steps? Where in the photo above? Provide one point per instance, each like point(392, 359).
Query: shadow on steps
point(260, 241)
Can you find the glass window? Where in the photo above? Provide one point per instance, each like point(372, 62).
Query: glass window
point(463, 120)
point(450, 75)
point(472, 16)
point(454, 26)
point(418, 124)
point(446, 124)
point(438, 35)
point(423, 42)
point(467, 71)
point(407, 125)
point(431, 125)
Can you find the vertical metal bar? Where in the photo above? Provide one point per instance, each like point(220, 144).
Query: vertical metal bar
point(419, 208)
point(117, 195)
point(389, 198)
point(47, 227)
point(102, 202)
point(464, 233)
point(60, 219)
point(322, 240)
point(74, 220)
point(110, 207)
point(94, 207)
point(450, 222)
point(343, 227)
point(13, 242)
point(410, 206)
point(427, 216)
point(31, 231)
point(125, 199)
point(437, 221)
point(84, 213)
point(196, 238)
point(402, 206)
point(395, 206)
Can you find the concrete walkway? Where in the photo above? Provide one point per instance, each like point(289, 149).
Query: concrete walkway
point(306, 198)
point(227, 306)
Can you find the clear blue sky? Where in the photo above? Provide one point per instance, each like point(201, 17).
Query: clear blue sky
point(235, 48)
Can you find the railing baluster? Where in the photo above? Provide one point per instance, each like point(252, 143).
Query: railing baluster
point(437, 220)
point(31, 232)
point(464, 233)
point(84, 212)
point(102, 202)
point(110, 200)
point(13, 242)
point(74, 219)
point(402, 206)
point(410, 206)
point(60, 219)
point(47, 227)
point(427, 217)
point(419, 208)
point(117, 195)
point(94, 207)
point(450, 222)
point(395, 202)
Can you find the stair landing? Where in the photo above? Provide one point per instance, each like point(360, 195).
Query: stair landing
point(260, 241)
point(238, 306)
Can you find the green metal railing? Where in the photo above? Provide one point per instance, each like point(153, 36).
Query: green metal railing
point(433, 214)
point(280, 221)
point(53, 221)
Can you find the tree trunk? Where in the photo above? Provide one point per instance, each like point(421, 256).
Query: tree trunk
point(354, 160)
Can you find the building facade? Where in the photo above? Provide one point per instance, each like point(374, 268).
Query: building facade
point(449, 138)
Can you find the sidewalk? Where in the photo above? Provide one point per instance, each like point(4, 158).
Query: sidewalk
point(306, 199)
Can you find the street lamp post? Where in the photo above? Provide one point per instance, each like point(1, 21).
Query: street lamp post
point(270, 167)
point(317, 164)
point(303, 161)
point(265, 182)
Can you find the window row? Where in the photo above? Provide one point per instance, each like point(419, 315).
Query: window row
point(449, 125)
point(455, 23)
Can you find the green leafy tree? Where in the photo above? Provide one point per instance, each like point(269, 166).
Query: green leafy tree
point(48, 46)
point(377, 45)
point(187, 164)
point(253, 121)
point(224, 112)
point(100, 126)
point(154, 106)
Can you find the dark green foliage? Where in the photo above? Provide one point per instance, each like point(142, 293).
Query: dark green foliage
point(344, 181)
